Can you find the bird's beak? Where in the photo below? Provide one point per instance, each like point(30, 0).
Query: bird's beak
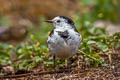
point(49, 21)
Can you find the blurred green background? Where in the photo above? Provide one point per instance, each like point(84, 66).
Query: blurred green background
point(23, 32)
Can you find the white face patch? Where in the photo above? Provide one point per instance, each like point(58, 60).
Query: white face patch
point(60, 23)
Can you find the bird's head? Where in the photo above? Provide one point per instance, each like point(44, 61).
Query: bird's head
point(61, 21)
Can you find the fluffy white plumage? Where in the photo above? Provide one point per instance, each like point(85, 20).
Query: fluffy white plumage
point(64, 40)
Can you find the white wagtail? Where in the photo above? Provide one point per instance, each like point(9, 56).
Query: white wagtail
point(64, 40)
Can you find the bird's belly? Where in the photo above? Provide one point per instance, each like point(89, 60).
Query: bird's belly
point(62, 50)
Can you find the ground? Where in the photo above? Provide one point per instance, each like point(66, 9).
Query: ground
point(79, 70)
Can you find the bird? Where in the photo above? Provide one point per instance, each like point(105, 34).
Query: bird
point(64, 40)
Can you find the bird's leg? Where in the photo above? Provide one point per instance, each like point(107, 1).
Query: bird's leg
point(54, 66)
point(68, 64)
point(54, 62)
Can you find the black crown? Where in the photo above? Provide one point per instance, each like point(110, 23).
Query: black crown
point(68, 20)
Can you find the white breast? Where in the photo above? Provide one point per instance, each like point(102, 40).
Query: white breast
point(60, 48)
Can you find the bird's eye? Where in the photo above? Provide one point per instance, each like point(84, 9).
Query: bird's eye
point(58, 21)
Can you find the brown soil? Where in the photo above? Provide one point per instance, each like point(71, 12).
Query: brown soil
point(79, 70)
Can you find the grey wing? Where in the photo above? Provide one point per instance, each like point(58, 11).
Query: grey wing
point(49, 43)
point(79, 38)
point(78, 42)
